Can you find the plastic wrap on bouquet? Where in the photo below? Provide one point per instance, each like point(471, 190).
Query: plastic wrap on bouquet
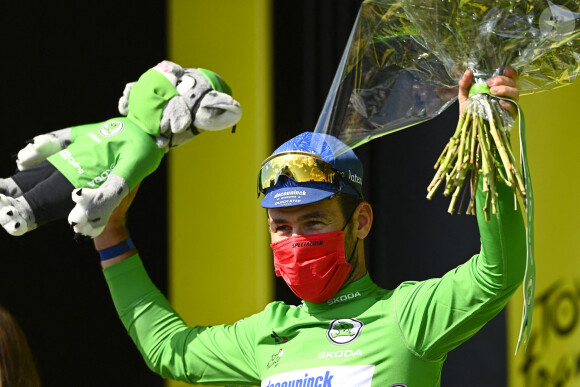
point(404, 59)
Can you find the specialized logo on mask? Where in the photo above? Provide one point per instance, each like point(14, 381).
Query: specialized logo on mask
point(111, 128)
point(344, 331)
point(307, 244)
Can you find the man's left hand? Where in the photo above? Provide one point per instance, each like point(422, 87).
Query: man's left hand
point(500, 85)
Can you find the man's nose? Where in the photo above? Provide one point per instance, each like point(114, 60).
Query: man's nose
point(297, 230)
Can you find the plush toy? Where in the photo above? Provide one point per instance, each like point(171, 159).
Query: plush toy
point(98, 164)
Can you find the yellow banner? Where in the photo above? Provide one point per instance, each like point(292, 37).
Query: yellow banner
point(552, 357)
point(220, 261)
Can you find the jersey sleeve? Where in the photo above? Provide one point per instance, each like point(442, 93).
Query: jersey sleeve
point(219, 354)
point(437, 315)
point(77, 131)
point(137, 161)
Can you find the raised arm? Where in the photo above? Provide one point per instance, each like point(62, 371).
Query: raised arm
point(453, 308)
point(197, 354)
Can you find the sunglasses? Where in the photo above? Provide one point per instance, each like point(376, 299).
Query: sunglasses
point(302, 167)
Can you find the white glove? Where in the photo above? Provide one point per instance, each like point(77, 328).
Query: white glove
point(94, 206)
point(41, 147)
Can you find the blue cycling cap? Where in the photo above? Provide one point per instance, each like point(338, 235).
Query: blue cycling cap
point(287, 192)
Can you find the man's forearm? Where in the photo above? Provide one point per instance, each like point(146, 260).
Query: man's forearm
point(503, 246)
point(116, 232)
point(112, 236)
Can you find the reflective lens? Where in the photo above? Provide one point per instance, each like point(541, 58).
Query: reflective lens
point(301, 167)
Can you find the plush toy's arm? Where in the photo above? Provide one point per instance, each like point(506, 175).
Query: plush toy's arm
point(95, 206)
point(42, 146)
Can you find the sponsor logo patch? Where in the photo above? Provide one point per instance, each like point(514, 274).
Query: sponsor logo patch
point(65, 154)
point(290, 193)
point(344, 297)
point(111, 128)
point(354, 177)
point(344, 331)
point(94, 137)
point(289, 197)
point(275, 359)
point(278, 339)
point(339, 354)
point(334, 376)
point(102, 176)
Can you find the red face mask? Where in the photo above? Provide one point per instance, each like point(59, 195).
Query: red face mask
point(313, 266)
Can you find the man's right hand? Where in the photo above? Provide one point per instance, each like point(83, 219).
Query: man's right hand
point(116, 230)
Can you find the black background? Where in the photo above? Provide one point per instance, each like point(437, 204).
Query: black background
point(66, 63)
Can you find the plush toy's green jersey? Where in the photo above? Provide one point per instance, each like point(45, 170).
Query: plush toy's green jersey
point(118, 146)
point(124, 146)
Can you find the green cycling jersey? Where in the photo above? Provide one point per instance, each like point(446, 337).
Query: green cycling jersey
point(363, 336)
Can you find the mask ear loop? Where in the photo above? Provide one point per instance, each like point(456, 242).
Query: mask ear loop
point(357, 239)
point(349, 219)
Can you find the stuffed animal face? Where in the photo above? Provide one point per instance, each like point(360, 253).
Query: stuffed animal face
point(194, 100)
point(203, 103)
point(215, 110)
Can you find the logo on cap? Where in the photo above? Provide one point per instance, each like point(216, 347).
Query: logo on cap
point(354, 177)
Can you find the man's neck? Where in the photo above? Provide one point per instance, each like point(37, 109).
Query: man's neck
point(352, 277)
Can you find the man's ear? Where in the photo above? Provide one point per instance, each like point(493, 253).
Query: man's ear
point(363, 219)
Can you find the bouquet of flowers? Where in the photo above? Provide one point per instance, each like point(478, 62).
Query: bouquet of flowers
point(401, 67)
